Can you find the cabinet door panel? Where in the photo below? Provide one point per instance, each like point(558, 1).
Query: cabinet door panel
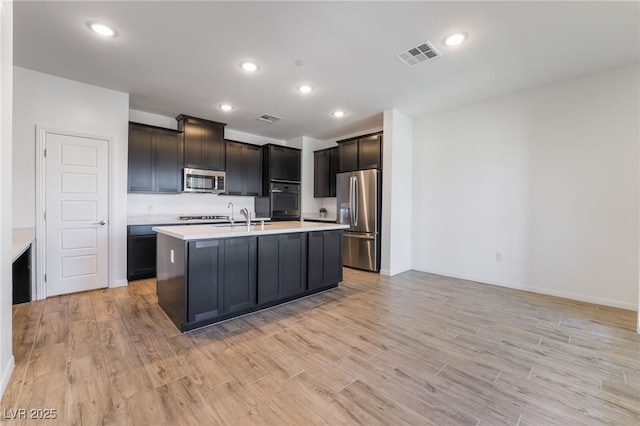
point(252, 168)
point(239, 273)
point(333, 171)
point(276, 162)
point(315, 253)
point(235, 178)
point(321, 173)
point(205, 280)
point(292, 165)
point(293, 256)
point(167, 162)
point(325, 258)
point(213, 147)
point(348, 156)
point(369, 153)
point(192, 146)
point(332, 257)
point(268, 268)
point(140, 168)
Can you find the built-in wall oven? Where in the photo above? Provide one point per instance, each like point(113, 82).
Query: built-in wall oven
point(282, 203)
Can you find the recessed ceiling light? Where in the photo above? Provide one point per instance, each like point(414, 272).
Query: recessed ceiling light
point(305, 88)
point(338, 114)
point(102, 29)
point(226, 107)
point(455, 39)
point(249, 66)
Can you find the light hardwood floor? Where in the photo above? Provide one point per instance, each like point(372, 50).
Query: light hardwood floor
point(412, 349)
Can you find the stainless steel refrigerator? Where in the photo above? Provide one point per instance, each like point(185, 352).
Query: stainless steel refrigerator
point(359, 206)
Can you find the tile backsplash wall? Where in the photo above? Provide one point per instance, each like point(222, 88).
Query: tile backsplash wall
point(180, 204)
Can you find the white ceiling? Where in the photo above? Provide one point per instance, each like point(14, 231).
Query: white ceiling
point(177, 57)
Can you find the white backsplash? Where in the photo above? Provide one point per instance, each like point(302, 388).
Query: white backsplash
point(328, 203)
point(181, 204)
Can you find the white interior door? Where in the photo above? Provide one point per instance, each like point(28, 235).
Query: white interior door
point(76, 213)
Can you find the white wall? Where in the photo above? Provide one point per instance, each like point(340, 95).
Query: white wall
point(153, 119)
point(65, 105)
point(396, 193)
point(238, 136)
point(547, 177)
point(6, 96)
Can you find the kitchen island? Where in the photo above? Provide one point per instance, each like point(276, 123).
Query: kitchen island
point(210, 273)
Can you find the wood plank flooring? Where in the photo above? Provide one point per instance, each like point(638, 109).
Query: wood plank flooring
point(412, 349)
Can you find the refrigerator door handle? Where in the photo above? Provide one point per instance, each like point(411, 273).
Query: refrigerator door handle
point(351, 206)
point(355, 200)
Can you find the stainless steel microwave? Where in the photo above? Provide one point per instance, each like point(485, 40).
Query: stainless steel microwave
point(197, 180)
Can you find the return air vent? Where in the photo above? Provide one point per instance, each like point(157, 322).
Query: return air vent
point(416, 55)
point(266, 118)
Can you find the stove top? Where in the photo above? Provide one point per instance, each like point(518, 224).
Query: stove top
point(203, 217)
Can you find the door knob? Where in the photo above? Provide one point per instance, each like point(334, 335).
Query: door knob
point(101, 223)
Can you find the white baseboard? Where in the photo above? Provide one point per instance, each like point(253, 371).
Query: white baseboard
point(6, 375)
point(119, 283)
point(548, 291)
point(388, 272)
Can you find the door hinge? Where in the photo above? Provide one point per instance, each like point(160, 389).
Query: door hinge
point(45, 278)
point(45, 152)
point(45, 215)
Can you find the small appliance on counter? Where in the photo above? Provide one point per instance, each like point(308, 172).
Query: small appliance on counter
point(283, 202)
point(198, 180)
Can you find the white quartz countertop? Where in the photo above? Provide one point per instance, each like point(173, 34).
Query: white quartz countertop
point(205, 232)
point(21, 239)
point(171, 219)
point(329, 217)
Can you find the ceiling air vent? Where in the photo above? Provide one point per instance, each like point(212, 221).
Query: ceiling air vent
point(416, 55)
point(266, 118)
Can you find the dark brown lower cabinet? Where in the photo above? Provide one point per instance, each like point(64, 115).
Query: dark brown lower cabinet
point(141, 252)
point(282, 266)
point(325, 258)
point(206, 281)
point(221, 276)
point(205, 275)
point(239, 276)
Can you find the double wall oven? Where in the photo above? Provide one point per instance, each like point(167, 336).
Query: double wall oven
point(282, 202)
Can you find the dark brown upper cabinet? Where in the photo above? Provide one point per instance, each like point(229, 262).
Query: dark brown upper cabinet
point(360, 153)
point(325, 168)
point(281, 163)
point(203, 142)
point(244, 168)
point(155, 159)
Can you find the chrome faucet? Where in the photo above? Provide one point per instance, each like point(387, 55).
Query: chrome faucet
point(247, 215)
point(232, 219)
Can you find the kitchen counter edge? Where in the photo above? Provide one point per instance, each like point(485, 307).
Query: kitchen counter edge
point(207, 232)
